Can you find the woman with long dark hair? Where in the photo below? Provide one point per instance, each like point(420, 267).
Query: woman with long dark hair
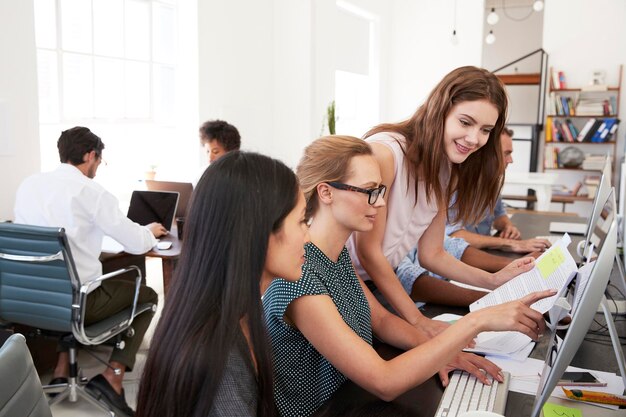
point(210, 354)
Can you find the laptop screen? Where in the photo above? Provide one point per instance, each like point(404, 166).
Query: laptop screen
point(185, 189)
point(153, 206)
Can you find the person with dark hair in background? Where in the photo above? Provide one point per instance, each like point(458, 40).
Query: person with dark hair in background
point(213, 357)
point(67, 197)
point(219, 137)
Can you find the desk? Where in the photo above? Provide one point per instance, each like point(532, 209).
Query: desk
point(541, 182)
point(169, 257)
point(351, 400)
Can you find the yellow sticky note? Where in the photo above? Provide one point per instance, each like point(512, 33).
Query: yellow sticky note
point(555, 410)
point(551, 261)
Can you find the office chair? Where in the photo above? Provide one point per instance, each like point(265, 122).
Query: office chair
point(39, 287)
point(20, 389)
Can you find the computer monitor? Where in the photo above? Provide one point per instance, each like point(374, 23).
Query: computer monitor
point(558, 358)
point(153, 206)
point(604, 188)
point(184, 189)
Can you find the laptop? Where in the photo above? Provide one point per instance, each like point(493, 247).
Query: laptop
point(153, 206)
point(566, 227)
point(184, 189)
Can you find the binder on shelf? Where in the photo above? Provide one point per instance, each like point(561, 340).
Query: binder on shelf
point(560, 133)
point(549, 129)
point(585, 129)
point(555, 79)
point(598, 132)
point(592, 131)
point(610, 124)
point(572, 128)
point(562, 82)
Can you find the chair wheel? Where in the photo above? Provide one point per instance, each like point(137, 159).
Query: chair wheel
point(120, 345)
point(130, 332)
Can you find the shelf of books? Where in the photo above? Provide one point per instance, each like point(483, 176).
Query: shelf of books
point(581, 127)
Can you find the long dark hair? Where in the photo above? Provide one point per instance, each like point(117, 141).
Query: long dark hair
point(240, 200)
point(478, 180)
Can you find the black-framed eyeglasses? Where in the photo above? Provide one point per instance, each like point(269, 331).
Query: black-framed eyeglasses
point(372, 193)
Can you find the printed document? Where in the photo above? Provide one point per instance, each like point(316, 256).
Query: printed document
point(554, 269)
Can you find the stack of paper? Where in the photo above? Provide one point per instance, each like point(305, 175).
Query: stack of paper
point(513, 345)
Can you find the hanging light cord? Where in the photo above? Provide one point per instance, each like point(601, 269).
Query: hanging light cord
point(454, 25)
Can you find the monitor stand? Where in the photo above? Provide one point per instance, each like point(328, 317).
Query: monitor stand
point(617, 347)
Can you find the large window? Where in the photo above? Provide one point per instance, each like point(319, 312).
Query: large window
point(110, 65)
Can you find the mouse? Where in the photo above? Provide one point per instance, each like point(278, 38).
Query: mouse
point(164, 245)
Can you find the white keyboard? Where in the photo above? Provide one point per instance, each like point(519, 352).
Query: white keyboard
point(466, 393)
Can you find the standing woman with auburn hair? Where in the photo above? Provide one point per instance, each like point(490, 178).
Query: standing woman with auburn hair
point(451, 144)
point(210, 354)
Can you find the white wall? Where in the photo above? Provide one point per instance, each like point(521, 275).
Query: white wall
point(270, 70)
point(596, 41)
point(255, 71)
point(421, 51)
point(19, 113)
point(518, 32)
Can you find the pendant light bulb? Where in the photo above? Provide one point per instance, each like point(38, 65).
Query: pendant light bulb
point(492, 17)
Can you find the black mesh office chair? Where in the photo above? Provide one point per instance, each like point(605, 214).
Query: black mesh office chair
point(39, 287)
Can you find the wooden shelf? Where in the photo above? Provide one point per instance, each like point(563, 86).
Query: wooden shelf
point(582, 116)
point(563, 199)
point(572, 169)
point(520, 79)
point(581, 143)
point(580, 90)
point(560, 126)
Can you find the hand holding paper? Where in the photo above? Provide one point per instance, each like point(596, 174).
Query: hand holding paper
point(553, 270)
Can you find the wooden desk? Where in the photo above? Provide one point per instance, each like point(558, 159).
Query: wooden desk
point(561, 199)
point(169, 257)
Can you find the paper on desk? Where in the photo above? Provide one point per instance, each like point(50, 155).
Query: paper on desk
point(110, 245)
point(514, 345)
point(525, 378)
point(584, 273)
point(552, 239)
point(556, 410)
point(554, 269)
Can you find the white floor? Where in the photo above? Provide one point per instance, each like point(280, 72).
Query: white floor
point(90, 366)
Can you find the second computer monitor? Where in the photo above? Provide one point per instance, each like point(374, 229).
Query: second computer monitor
point(559, 358)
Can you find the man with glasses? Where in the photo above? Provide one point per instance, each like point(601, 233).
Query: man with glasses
point(67, 197)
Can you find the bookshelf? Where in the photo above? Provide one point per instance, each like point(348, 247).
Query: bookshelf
point(585, 118)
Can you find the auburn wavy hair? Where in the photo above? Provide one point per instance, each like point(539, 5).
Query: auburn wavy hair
point(478, 180)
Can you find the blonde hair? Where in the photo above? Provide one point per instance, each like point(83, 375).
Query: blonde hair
point(327, 159)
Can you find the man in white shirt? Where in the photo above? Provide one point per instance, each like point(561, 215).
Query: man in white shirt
point(67, 197)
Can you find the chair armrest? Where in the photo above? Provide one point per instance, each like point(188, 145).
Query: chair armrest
point(84, 293)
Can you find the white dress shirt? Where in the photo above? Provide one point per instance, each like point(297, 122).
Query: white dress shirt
point(67, 198)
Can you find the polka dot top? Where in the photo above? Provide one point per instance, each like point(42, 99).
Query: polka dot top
point(304, 379)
